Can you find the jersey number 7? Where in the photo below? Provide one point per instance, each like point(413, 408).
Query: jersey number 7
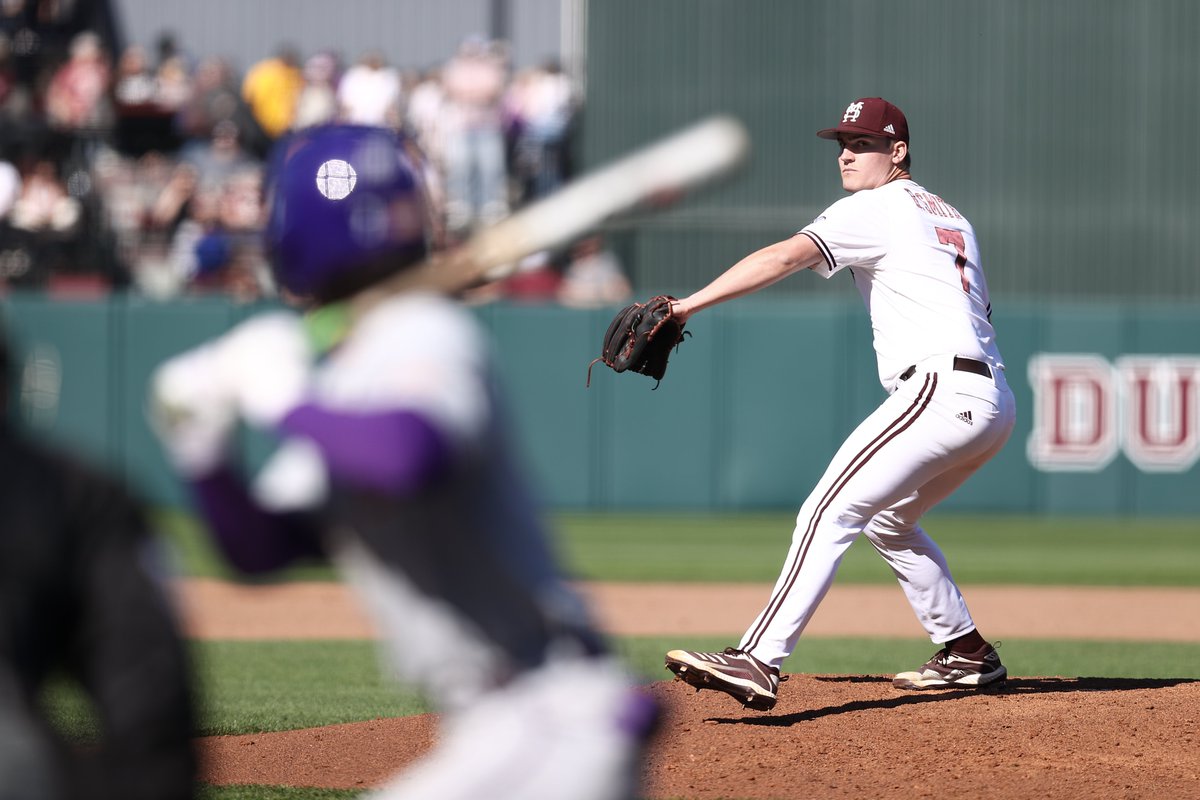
point(951, 237)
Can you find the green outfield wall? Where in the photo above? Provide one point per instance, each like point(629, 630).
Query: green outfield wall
point(1043, 122)
point(754, 403)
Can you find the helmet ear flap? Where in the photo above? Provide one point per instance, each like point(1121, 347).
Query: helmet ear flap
point(346, 207)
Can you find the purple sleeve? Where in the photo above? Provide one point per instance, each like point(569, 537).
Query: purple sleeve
point(253, 539)
point(399, 452)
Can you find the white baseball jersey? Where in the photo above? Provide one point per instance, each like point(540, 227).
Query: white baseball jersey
point(472, 541)
point(915, 261)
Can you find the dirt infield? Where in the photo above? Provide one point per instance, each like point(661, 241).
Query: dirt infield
point(829, 736)
point(217, 610)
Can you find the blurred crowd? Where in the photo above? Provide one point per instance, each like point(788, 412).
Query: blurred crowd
point(142, 170)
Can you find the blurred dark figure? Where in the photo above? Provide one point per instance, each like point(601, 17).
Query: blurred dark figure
point(143, 108)
point(217, 247)
point(41, 33)
point(541, 106)
point(44, 222)
point(215, 97)
point(16, 99)
point(77, 96)
point(78, 600)
point(53, 229)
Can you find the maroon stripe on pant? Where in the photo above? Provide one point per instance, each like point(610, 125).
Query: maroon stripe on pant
point(894, 429)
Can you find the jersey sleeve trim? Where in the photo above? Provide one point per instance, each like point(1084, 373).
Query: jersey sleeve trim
point(824, 248)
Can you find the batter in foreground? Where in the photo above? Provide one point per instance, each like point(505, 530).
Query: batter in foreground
point(395, 462)
point(914, 259)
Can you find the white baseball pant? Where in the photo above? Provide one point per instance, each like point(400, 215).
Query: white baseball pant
point(932, 433)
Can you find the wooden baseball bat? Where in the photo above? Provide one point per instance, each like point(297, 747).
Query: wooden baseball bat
point(655, 174)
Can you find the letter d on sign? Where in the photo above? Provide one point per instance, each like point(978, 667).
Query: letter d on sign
point(1074, 413)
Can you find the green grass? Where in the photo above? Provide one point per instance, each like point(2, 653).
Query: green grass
point(250, 687)
point(750, 547)
point(254, 687)
point(981, 549)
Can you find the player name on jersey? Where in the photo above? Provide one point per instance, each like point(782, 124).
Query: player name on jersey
point(1087, 410)
point(932, 204)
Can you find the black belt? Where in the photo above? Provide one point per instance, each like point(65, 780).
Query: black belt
point(961, 363)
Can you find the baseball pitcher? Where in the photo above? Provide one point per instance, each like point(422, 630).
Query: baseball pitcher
point(914, 259)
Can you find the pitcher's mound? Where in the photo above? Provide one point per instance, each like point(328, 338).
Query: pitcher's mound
point(829, 737)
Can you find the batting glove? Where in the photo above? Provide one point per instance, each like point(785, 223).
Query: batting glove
point(192, 411)
point(266, 363)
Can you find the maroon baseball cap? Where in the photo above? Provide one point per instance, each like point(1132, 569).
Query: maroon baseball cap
point(871, 115)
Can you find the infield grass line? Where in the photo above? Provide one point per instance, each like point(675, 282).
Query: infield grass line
point(982, 549)
point(991, 549)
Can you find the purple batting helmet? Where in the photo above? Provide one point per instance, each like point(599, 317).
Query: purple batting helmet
point(346, 207)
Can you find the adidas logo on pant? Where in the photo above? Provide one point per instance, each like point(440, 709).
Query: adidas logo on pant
point(965, 416)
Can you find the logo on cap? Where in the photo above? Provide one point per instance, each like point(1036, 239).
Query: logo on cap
point(870, 115)
point(336, 179)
